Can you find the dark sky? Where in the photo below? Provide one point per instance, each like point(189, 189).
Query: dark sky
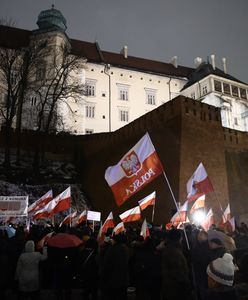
point(154, 29)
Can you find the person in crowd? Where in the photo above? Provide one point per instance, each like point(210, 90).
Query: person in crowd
point(220, 279)
point(88, 269)
point(241, 277)
point(4, 263)
point(147, 271)
point(27, 271)
point(217, 248)
point(176, 283)
point(114, 276)
point(201, 257)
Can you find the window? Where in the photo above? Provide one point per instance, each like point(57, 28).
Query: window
point(204, 90)
point(192, 95)
point(13, 77)
point(124, 115)
point(90, 111)
point(90, 87)
point(226, 88)
point(123, 92)
point(89, 131)
point(40, 73)
point(243, 93)
point(217, 86)
point(236, 121)
point(235, 91)
point(33, 100)
point(150, 96)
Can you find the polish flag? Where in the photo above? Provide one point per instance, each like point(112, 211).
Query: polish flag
point(109, 223)
point(199, 203)
point(37, 205)
point(131, 215)
point(82, 217)
point(148, 200)
point(227, 214)
point(135, 170)
point(45, 211)
point(209, 220)
point(198, 184)
point(119, 228)
point(231, 225)
point(181, 215)
point(60, 203)
point(68, 219)
point(144, 230)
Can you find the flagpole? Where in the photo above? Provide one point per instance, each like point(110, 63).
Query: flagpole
point(220, 207)
point(172, 194)
point(153, 211)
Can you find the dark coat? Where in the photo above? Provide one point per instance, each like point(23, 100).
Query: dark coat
point(114, 271)
point(221, 293)
point(175, 274)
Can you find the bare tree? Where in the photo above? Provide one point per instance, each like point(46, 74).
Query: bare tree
point(49, 74)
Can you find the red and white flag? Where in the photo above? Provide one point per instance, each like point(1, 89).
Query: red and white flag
point(131, 215)
point(198, 184)
point(227, 214)
point(232, 226)
point(181, 215)
point(68, 219)
point(136, 169)
point(119, 228)
point(109, 223)
point(82, 217)
point(144, 230)
point(209, 220)
point(199, 203)
point(37, 205)
point(60, 203)
point(148, 200)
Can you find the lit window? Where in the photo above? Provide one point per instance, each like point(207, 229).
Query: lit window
point(90, 111)
point(123, 92)
point(124, 116)
point(204, 90)
point(150, 96)
point(90, 88)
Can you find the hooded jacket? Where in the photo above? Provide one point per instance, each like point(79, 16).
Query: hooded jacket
point(27, 270)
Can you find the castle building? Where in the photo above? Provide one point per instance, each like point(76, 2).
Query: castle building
point(119, 88)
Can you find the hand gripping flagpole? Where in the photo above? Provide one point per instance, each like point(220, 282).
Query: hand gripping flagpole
point(172, 194)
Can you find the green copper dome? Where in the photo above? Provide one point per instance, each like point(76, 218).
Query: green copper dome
point(51, 19)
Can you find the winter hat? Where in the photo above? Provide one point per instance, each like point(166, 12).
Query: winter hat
point(222, 269)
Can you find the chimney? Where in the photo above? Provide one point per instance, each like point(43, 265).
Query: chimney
point(212, 57)
point(173, 61)
point(125, 51)
point(224, 64)
point(197, 61)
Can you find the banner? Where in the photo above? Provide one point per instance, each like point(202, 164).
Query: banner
point(13, 205)
point(93, 216)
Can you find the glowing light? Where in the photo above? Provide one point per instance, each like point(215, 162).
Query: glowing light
point(199, 216)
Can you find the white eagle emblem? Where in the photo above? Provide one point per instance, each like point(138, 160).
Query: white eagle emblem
point(131, 164)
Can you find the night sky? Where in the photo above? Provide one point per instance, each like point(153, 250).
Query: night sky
point(153, 29)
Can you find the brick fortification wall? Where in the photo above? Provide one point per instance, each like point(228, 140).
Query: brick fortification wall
point(184, 132)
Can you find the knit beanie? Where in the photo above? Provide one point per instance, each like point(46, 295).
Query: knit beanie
point(222, 269)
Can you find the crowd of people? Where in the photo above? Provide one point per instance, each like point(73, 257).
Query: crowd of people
point(168, 265)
